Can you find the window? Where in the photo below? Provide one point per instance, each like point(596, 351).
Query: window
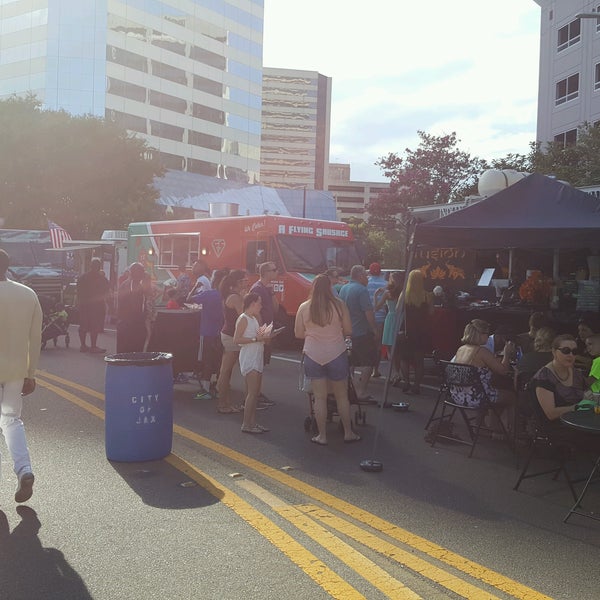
point(165, 71)
point(569, 34)
point(164, 130)
point(180, 250)
point(206, 113)
point(597, 77)
point(204, 140)
point(567, 89)
point(567, 138)
point(167, 101)
point(126, 90)
point(308, 255)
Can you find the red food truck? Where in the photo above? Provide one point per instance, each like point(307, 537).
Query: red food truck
point(301, 248)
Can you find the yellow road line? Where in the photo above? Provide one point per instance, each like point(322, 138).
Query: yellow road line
point(71, 397)
point(409, 560)
point(359, 563)
point(469, 567)
point(318, 571)
point(71, 384)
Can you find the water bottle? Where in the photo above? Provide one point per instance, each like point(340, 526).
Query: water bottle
point(348, 342)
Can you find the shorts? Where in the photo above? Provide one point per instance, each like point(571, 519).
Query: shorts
point(228, 345)
point(364, 351)
point(334, 370)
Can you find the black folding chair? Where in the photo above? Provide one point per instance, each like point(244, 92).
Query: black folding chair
point(463, 377)
point(545, 443)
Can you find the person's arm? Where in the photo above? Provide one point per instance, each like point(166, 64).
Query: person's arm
point(381, 296)
point(370, 319)
point(299, 325)
point(35, 341)
point(240, 329)
point(493, 364)
point(235, 301)
point(346, 321)
point(548, 403)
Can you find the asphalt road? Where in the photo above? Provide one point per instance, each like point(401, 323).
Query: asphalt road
point(229, 515)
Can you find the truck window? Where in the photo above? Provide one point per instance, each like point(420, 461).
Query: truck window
point(316, 255)
point(256, 254)
point(178, 250)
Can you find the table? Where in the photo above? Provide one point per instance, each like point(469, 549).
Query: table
point(589, 422)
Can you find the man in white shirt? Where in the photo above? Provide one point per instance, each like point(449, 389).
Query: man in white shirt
point(20, 344)
point(200, 273)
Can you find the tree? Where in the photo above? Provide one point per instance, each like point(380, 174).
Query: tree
point(82, 172)
point(436, 172)
point(578, 164)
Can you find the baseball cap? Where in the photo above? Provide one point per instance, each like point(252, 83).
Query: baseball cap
point(375, 268)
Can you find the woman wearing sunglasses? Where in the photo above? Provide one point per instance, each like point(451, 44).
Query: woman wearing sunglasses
point(558, 385)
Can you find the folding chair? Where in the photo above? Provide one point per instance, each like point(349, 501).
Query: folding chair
point(545, 444)
point(466, 377)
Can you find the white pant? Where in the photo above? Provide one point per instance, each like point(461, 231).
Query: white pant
point(11, 404)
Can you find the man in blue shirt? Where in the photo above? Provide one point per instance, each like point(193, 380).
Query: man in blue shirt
point(364, 350)
point(376, 282)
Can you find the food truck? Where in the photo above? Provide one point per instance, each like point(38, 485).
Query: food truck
point(301, 248)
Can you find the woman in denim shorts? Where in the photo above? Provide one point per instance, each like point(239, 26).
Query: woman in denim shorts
point(322, 322)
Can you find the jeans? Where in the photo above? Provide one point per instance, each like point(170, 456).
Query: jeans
point(11, 404)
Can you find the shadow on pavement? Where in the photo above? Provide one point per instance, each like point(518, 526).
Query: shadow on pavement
point(162, 486)
point(28, 570)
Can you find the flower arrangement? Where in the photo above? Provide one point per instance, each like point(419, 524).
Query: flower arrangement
point(536, 289)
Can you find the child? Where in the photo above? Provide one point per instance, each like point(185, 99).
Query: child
point(250, 337)
point(173, 296)
point(592, 344)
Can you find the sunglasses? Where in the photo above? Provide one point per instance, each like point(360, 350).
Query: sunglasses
point(566, 350)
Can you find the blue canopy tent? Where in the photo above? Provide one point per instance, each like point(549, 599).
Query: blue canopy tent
point(536, 212)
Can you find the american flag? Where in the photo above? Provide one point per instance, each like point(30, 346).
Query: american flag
point(57, 234)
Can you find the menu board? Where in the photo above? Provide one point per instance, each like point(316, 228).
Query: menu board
point(588, 296)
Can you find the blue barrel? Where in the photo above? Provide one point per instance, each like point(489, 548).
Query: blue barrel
point(138, 392)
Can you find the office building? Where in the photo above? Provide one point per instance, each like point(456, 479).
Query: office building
point(295, 129)
point(352, 198)
point(569, 80)
point(186, 75)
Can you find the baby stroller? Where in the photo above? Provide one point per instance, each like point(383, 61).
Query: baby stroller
point(55, 321)
point(310, 423)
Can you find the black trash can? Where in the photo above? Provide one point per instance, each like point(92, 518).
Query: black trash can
point(138, 394)
point(177, 332)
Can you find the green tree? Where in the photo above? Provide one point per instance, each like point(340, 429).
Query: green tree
point(436, 172)
point(82, 172)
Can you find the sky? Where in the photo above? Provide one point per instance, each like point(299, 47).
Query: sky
point(399, 66)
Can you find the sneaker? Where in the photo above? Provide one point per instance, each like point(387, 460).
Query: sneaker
point(259, 406)
point(25, 487)
point(203, 395)
point(96, 350)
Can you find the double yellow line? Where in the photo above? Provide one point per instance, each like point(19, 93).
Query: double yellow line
point(311, 519)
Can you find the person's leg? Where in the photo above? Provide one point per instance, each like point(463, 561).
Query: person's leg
point(419, 364)
point(253, 382)
point(378, 336)
point(83, 329)
point(14, 435)
point(319, 390)
point(223, 382)
point(340, 391)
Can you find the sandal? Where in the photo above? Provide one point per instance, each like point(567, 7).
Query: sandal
point(227, 410)
point(316, 440)
point(351, 440)
point(255, 429)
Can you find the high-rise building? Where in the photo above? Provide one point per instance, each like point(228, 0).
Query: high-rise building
point(186, 75)
point(352, 198)
point(569, 79)
point(295, 129)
